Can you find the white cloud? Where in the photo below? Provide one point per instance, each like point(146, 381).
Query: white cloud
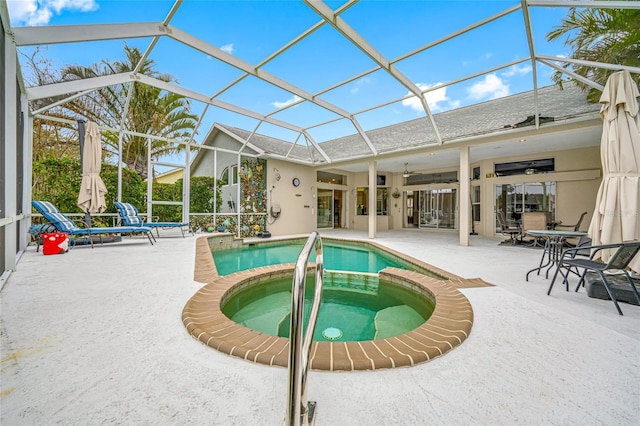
point(517, 70)
point(483, 57)
point(435, 98)
point(286, 103)
point(492, 87)
point(40, 12)
point(227, 48)
point(364, 81)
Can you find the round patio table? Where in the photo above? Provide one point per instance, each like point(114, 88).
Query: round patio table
point(554, 241)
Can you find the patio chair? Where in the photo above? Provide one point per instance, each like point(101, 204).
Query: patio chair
point(130, 217)
point(582, 249)
point(64, 224)
point(513, 232)
point(575, 227)
point(619, 261)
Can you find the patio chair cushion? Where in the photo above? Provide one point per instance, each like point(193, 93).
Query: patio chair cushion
point(129, 214)
point(53, 215)
point(131, 217)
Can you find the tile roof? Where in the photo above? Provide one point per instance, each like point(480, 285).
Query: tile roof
point(475, 120)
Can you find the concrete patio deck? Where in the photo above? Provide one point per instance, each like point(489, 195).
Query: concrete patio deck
point(95, 336)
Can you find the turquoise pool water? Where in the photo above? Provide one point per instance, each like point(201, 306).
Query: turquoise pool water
point(337, 257)
point(354, 308)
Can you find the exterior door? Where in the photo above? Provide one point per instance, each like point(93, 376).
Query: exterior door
point(325, 208)
point(438, 208)
point(518, 198)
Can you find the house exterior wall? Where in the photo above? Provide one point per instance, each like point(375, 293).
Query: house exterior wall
point(298, 204)
point(383, 222)
point(170, 177)
point(206, 166)
point(577, 176)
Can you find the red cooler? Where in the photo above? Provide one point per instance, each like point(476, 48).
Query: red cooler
point(55, 243)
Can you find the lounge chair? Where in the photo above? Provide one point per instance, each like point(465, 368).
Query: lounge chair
point(63, 224)
point(130, 217)
point(619, 261)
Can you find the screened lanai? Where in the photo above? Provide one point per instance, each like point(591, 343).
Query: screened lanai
point(356, 87)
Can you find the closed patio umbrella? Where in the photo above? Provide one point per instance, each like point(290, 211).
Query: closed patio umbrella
point(615, 218)
point(92, 189)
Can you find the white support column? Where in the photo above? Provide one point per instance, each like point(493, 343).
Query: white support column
point(149, 183)
point(27, 171)
point(215, 188)
point(373, 218)
point(186, 185)
point(120, 136)
point(237, 177)
point(465, 197)
point(10, 153)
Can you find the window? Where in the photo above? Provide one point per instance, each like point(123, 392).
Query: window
point(230, 180)
point(475, 203)
point(529, 167)
point(333, 178)
point(475, 173)
point(518, 198)
point(382, 201)
point(428, 178)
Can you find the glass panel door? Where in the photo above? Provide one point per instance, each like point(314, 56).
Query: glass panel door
point(438, 208)
point(411, 200)
point(447, 199)
point(325, 208)
point(516, 199)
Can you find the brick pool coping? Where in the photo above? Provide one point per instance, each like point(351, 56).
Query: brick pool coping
point(448, 326)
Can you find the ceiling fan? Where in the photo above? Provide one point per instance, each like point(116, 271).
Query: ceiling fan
point(406, 172)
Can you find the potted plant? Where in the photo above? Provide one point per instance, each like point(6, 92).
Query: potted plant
point(396, 193)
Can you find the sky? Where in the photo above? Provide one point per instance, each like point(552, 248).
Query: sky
point(254, 30)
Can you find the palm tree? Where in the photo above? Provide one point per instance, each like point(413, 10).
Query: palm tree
point(151, 111)
point(602, 35)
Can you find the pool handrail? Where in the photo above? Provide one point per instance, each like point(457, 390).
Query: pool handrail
point(300, 411)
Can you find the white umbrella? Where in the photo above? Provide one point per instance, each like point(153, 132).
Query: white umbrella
point(92, 189)
point(616, 219)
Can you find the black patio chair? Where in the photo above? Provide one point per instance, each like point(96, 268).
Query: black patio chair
point(513, 232)
point(619, 261)
point(575, 227)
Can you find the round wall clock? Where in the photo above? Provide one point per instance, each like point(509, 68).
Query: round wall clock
point(296, 182)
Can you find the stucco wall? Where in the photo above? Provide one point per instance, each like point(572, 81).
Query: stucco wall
point(577, 177)
point(298, 204)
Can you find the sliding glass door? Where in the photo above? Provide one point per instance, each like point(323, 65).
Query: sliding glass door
point(437, 208)
point(331, 208)
point(519, 198)
point(325, 208)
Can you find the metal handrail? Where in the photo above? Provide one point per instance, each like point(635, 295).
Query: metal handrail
point(300, 411)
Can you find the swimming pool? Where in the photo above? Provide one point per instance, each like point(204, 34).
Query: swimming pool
point(355, 307)
point(449, 324)
point(447, 327)
point(337, 256)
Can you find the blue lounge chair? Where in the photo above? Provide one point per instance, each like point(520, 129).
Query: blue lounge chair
point(64, 224)
point(130, 217)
